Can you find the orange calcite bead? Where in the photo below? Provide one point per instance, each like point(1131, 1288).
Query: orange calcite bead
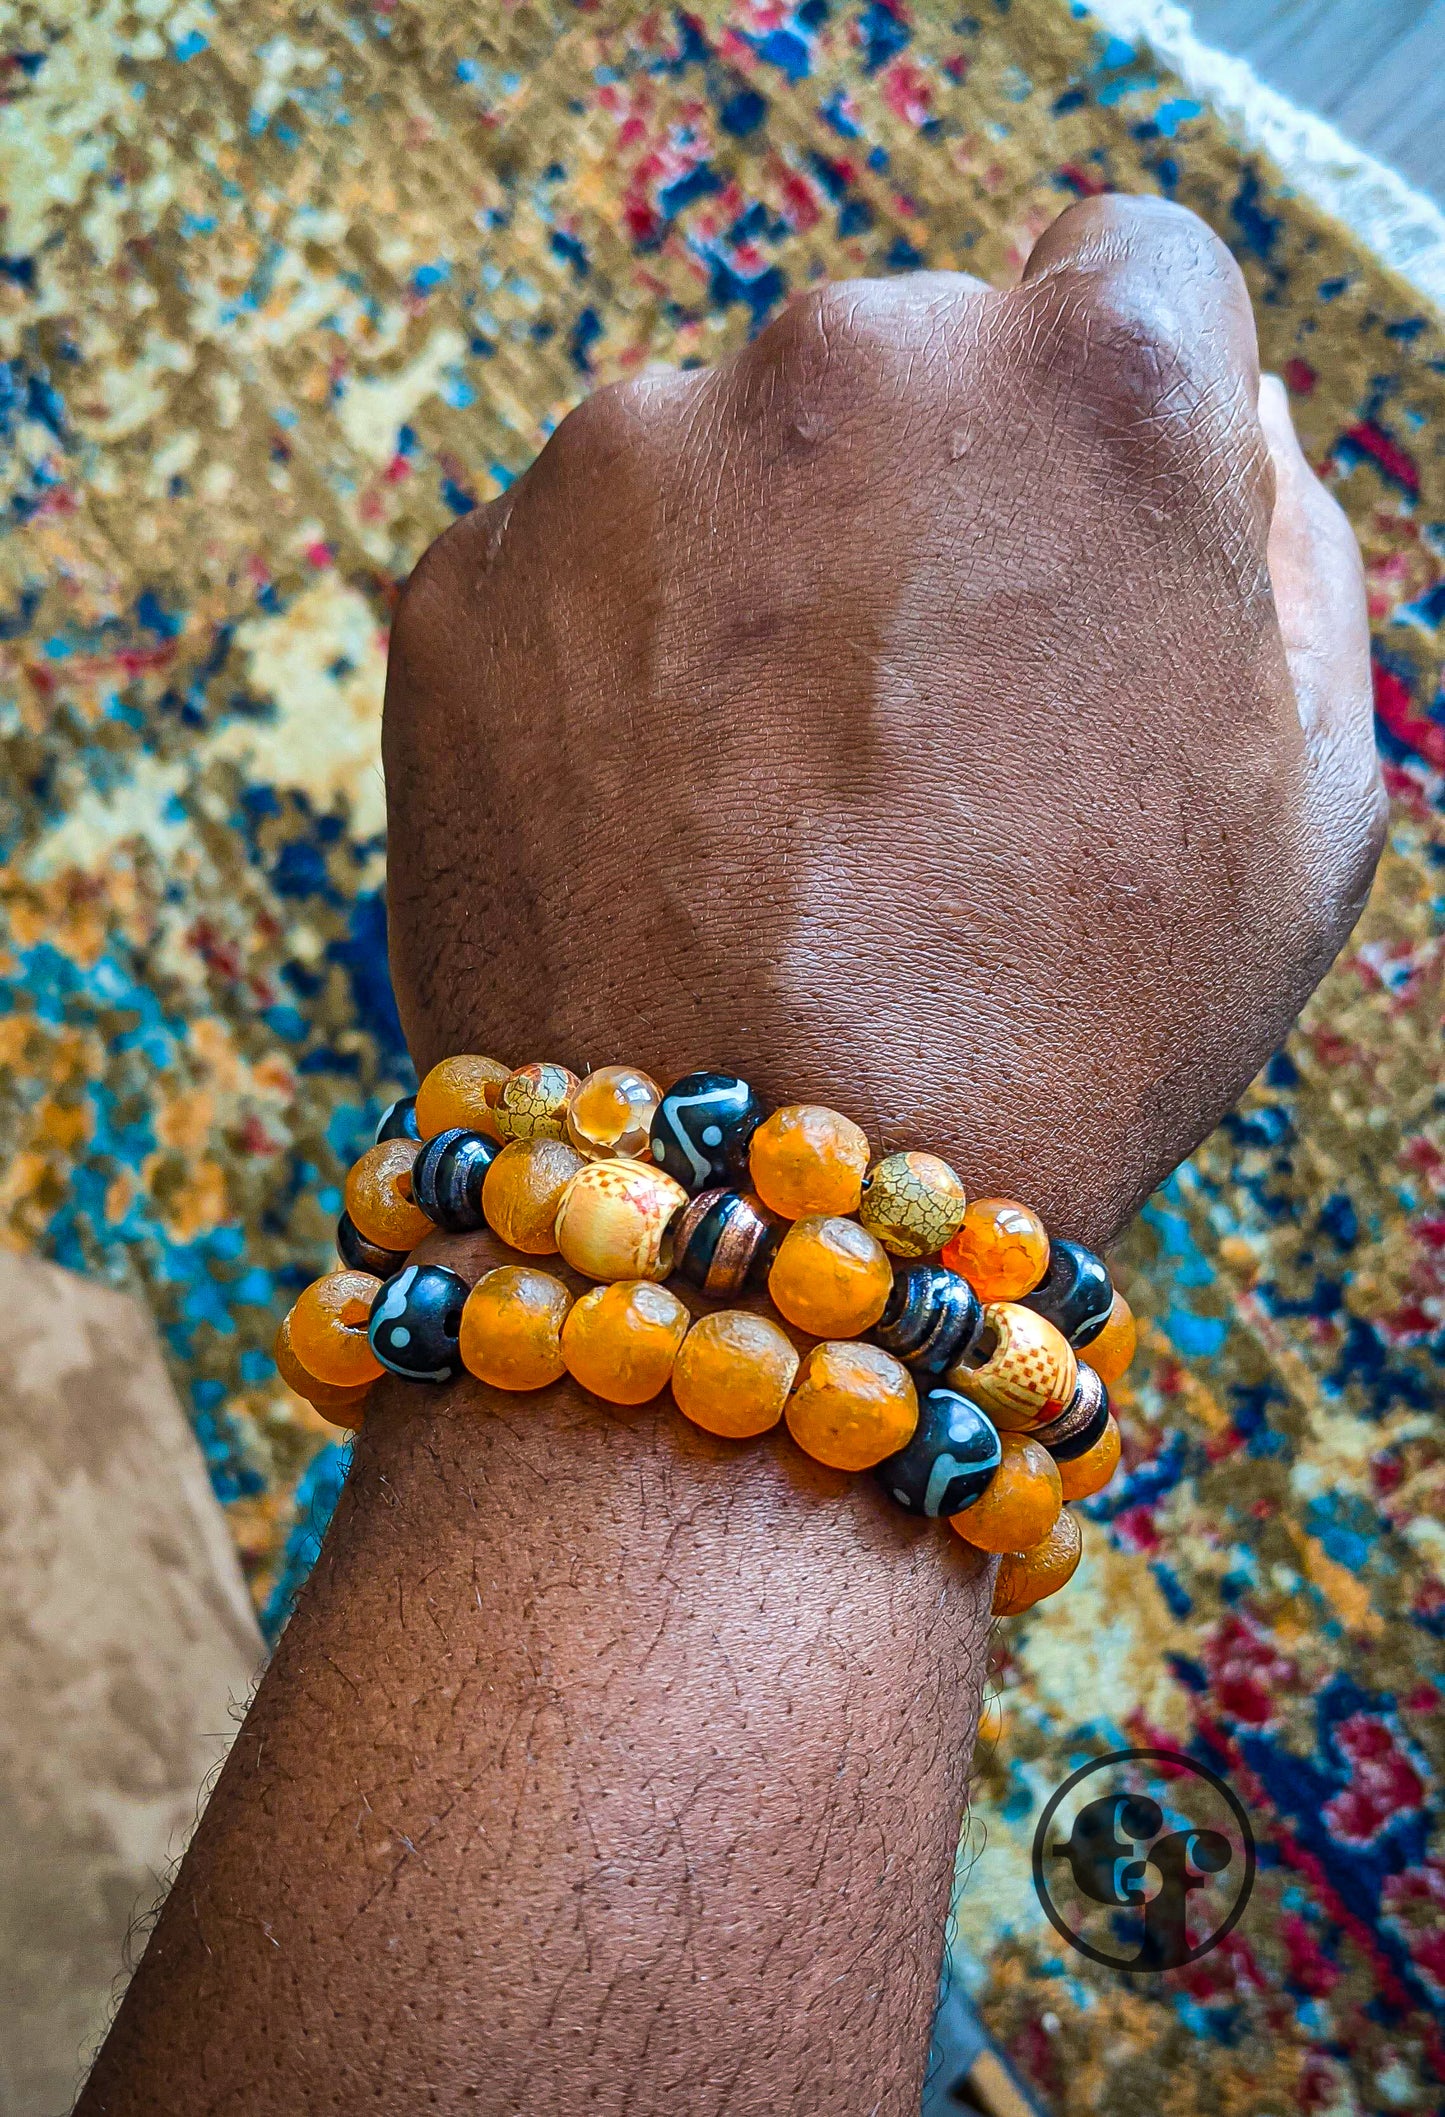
point(830, 1277)
point(1090, 1472)
point(611, 1114)
point(614, 1218)
point(1002, 1249)
point(328, 1329)
point(460, 1091)
point(733, 1374)
point(522, 1190)
point(808, 1159)
point(621, 1341)
point(852, 1405)
point(379, 1200)
point(532, 1102)
point(1111, 1352)
point(1026, 1577)
point(343, 1407)
point(1022, 1502)
point(1029, 1372)
point(511, 1330)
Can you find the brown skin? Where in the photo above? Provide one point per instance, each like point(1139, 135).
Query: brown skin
point(933, 712)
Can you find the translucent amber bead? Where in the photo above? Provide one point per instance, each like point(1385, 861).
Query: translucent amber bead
point(614, 1220)
point(807, 1159)
point(379, 1200)
point(913, 1203)
point(460, 1091)
point(733, 1374)
point(621, 1341)
point(342, 1406)
point(1026, 1577)
point(830, 1277)
point(1111, 1352)
point(532, 1102)
point(1022, 1370)
point(852, 1405)
point(523, 1189)
point(1002, 1249)
point(1022, 1502)
point(511, 1334)
point(611, 1114)
point(1083, 1475)
point(328, 1329)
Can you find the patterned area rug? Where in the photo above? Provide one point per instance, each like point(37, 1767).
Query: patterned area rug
point(283, 291)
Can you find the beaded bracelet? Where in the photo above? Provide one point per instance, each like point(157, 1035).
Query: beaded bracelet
point(941, 1336)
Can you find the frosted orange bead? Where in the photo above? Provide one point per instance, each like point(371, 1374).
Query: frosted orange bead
point(852, 1405)
point(328, 1329)
point(379, 1200)
point(614, 1220)
point(460, 1091)
point(611, 1113)
point(343, 1407)
point(523, 1189)
point(733, 1374)
point(1028, 1372)
point(620, 1341)
point(532, 1102)
point(1021, 1504)
point(1089, 1473)
point(808, 1159)
point(1002, 1249)
point(830, 1277)
point(1026, 1577)
point(511, 1331)
point(1111, 1352)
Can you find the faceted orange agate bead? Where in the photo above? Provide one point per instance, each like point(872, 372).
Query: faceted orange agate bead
point(852, 1405)
point(733, 1374)
point(621, 1341)
point(328, 1329)
point(523, 1189)
point(511, 1331)
point(1026, 1577)
point(1002, 1249)
point(611, 1114)
point(830, 1277)
point(1111, 1352)
point(1083, 1475)
point(343, 1407)
point(1030, 1370)
point(614, 1220)
point(1022, 1502)
point(808, 1159)
point(379, 1200)
point(532, 1102)
point(460, 1091)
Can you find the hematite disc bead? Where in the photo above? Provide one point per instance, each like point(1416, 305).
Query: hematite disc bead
point(724, 1239)
point(933, 1318)
point(1075, 1292)
point(359, 1255)
point(703, 1128)
point(1081, 1423)
point(446, 1179)
point(415, 1322)
point(950, 1461)
point(398, 1120)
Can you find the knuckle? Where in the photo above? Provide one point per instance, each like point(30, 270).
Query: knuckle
point(827, 349)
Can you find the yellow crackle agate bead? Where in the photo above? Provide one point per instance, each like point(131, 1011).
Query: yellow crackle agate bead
point(1028, 1369)
point(1021, 1503)
point(913, 1203)
point(461, 1091)
point(343, 1407)
point(1001, 1249)
point(1084, 1475)
point(808, 1159)
point(611, 1113)
point(830, 1277)
point(1026, 1577)
point(733, 1374)
point(328, 1329)
point(511, 1329)
point(379, 1200)
point(852, 1405)
point(614, 1220)
point(532, 1102)
point(1112, 1351)
point(621, 1341)
point(522, 1190)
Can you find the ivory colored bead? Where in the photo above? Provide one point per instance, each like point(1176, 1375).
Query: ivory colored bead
point(342, 1407)
point(1026, 1577)
point(379, 1200)
point(532, 1102)
point(1083, 1475)
point(614, 1220)
point(1002, 1249)
point(621, 1341)
point(1021, 1504)
point(1113, 1349)
point(830, 1277)
point(523, 1189)
point(611, 1113)
point(808, 1159)
point(511, 1334)
point(461, 1091)
point(1030, 1371)
point(913, 1203)
point(328, 1329)
point(733, 1374)
point(852, 1405)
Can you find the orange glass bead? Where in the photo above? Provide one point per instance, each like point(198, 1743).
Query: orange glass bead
point(379, 1200)
point(620, 1341)
point(1090, 1472)
point(1111, 1352)
point(343, 1407)
point(852, 1405)
point(511, 1332)
point(1021, 1504)
point(611, 1114)
point(808, 1159)
point(522, 1190)
point(1002, 1249)
point(1028, 1369)
point(1026, 1577)
point(913, 1203)
point(830, 1277)
point(614, 1220)
point(532, 1102)
point(733, 1374)
point(460, 1091)
point(328, 1329)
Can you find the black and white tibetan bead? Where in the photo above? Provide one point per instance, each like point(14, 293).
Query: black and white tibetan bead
point(950, 1461)
point(416, 1320)
point(703, 1128)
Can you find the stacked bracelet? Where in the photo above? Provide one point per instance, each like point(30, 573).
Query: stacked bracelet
point(941, 1336)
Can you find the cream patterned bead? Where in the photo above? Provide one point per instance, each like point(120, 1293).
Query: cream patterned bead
point(1027, 1369)
point(532, 1102)
point(615, 1218)
point(913, 1204)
